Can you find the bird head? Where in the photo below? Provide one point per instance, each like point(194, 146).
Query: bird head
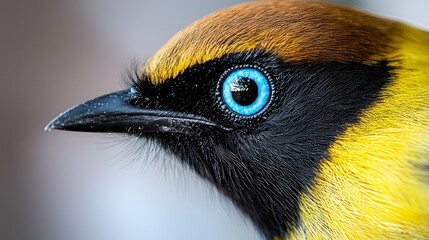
point(252, 97)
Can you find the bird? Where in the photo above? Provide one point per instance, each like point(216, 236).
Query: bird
point(311, 117)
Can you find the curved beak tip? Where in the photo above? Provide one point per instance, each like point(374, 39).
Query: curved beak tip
point(54, 124)
point(49, 127)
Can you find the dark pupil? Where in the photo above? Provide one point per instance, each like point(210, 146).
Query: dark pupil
point(244, 91)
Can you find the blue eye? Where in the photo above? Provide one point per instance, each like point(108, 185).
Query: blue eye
point(246, 91)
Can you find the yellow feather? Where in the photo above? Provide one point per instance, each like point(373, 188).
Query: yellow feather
point(375, 183)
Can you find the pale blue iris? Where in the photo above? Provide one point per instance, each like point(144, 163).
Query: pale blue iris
point(263, 91)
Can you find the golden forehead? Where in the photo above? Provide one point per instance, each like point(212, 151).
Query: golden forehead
point(295, 31)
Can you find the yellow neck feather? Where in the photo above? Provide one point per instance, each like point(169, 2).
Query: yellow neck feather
point(375, 183)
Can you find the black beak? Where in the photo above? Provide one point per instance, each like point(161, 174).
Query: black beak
point(115, 113)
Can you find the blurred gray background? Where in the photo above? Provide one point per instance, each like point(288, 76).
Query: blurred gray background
point(69, 186)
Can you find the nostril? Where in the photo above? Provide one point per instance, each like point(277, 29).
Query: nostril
point(136, 98)
point(133, 91)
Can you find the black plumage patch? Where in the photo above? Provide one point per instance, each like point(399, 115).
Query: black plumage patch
point(265, 163)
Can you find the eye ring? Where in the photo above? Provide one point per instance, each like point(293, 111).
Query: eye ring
point(245, 91)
